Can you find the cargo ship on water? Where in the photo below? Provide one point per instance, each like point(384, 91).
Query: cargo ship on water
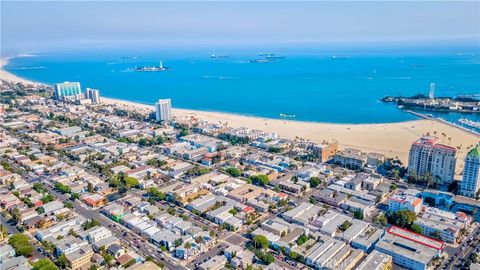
point(160, 67)
point(218, 56)
point(261, 60)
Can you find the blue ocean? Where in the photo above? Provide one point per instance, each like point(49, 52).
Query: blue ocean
point(334, 87)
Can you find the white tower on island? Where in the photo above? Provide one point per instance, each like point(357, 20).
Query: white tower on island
point(431, 95)
point(163, 110)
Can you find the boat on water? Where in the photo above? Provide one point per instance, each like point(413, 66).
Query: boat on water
point(160, 67)
point(260, 60)
point(287, 115)
point(274, 57)
point(469, 123)
point(266, 54)
point(216, 56)
point(334, 57)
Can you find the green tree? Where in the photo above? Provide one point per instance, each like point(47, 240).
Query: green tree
point(402, 218)
point(183, 132)
point(416, 228)
point(437, 234)
point(234, 172)
point(260, 241)
point(90, 224)
point(358, 215)
point(62, 188)
point(47, 198)
point(314, 182)
point(16, 215)
point(21, 244)
point(38, 187)
point(130, 182)
point(90, 187)
point(302, 239)
point(44, 264)
point(75, 196)
point(233, 211)
point(178, 242)
point(260, 180)
point(474, 257)
point(156, 194)
point(155, 162)
point(345, 225)
point(62, 261)
point(293, 255)
point(383, 220)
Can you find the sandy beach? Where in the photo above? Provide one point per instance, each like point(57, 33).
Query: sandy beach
point(5, 75)
point(391, 139)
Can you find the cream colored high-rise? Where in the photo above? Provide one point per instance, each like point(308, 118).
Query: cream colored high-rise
point(163, 110)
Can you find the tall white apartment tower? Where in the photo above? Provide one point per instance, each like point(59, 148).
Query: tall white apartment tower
point(471, 174)
point(427, 155)
point(431, 94)
point(163, 110)
point(93, 95)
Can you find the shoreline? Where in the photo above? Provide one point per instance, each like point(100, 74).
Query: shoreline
point(390, 139)
point(8, 76)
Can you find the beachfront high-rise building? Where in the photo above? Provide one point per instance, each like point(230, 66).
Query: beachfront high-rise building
point(93, 95)
point(431, 94)
point(163, 110)
point(427, 155)
point(471, 174)
point(67, 89)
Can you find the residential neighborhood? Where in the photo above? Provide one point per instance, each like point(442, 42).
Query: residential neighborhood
point(106, 186)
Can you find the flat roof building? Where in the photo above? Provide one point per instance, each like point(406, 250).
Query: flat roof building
point(409, 249)
point(376, 261)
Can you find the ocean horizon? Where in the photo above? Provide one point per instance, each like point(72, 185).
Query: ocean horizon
point(343, 87)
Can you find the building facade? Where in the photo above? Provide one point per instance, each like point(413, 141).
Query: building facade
point(67, 89)
point(408, 249)
point(404, 202)
point(93, 95)
point(163, 110)
point(325, 150)
point(428, 156)
point(471, 174)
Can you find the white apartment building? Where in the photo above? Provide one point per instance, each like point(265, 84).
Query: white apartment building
point(405, 202)
point(163, 110)
point(471, 174)
point(427, 155)
point(93, 95)
point(98, 233)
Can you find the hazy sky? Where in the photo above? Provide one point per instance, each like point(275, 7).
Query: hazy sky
point(49, 25)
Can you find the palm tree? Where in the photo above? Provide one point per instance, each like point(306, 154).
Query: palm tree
point(188, 246)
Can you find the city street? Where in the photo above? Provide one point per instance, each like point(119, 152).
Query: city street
point(143, 248)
